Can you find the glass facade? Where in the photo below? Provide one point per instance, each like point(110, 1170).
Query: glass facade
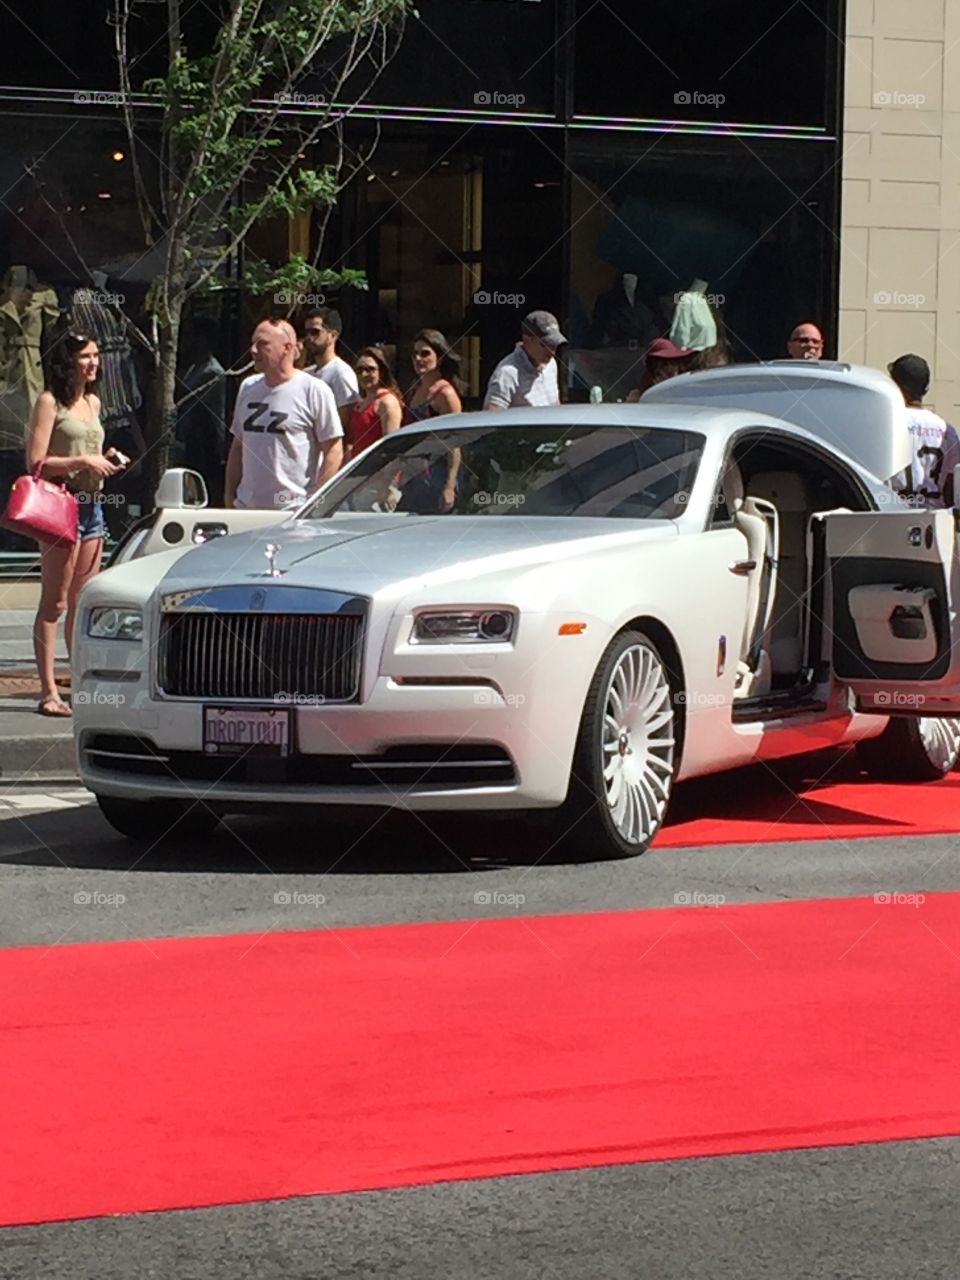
point(591, 159)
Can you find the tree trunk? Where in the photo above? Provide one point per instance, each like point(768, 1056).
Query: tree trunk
point(162, 419)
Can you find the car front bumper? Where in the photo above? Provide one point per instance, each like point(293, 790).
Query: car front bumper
point(429, 747)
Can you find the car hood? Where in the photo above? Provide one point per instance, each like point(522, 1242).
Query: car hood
point(368, 555)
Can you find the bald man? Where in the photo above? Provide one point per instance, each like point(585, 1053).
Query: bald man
point(287, 437)
point(805, 343)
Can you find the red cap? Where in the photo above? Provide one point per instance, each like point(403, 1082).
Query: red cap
point(664, 349)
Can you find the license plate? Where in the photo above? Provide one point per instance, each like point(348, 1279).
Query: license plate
point(241, 731)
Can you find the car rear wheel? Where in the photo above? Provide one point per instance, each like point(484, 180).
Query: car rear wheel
point(157, 820)
point(623, 766)
point(912, 749)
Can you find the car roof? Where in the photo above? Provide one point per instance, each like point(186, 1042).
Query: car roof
point(854, 410)
point(700, 418)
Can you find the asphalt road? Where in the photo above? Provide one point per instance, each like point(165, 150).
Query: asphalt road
point(874, 1211)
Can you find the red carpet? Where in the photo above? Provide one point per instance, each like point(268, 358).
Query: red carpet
point(200, 1071)
point(754, 807)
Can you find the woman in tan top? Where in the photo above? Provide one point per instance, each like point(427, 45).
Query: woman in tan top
point(66, 436)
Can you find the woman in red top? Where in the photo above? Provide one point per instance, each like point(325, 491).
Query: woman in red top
point(379, 410)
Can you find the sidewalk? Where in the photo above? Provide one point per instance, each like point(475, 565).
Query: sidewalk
point(31, 746)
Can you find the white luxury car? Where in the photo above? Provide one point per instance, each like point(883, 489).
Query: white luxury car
point(621, 597)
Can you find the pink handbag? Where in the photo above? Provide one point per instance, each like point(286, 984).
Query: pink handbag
point(42, 509)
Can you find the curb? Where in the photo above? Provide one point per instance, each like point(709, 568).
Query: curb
point(26, 761)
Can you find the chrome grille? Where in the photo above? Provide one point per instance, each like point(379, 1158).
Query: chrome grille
point(260, 655)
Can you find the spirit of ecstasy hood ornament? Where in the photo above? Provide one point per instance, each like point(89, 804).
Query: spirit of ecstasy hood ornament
point(270, 551)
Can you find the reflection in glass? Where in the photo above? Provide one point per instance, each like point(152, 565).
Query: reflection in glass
point(633, 473)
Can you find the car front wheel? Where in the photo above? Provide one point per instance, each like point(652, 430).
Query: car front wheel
point(624, 760)
point(157, 820)
point(912, 749)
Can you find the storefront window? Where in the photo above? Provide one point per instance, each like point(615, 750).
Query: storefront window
point(747, 61)
point(495, 56)
point(748, 220)
point(72, 257)
point(458, 233)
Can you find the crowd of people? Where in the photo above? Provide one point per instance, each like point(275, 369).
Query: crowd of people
point(305, 411)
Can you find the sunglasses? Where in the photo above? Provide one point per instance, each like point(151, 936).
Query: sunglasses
point(367, 368)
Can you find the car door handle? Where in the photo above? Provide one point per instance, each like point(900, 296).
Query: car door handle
point(742, 567)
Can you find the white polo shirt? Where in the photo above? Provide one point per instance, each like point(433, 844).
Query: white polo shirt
point(284, 431)
point(517, 382)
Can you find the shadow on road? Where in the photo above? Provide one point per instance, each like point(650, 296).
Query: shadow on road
point(367, 842)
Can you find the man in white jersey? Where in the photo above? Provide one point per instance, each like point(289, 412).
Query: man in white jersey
point(928, 481)
point(321, 331)
point(287, 437)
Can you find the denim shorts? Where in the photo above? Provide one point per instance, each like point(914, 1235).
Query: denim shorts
point(90, 521)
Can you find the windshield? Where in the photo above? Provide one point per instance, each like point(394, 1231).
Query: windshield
point(632, 473)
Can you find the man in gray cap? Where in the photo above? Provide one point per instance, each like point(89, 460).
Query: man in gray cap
point(528, 375)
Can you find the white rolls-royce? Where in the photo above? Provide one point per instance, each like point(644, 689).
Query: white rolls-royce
point(563, 610)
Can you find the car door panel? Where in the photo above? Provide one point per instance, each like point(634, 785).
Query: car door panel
point(187, 527)
point(894, 588)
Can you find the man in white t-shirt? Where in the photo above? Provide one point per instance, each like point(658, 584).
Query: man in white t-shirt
point(528, 375)
point(287, 437)
point(928, 481)
point(321, 332)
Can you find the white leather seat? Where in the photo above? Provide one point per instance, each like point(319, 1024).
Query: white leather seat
point(788, 492)
point(757, 521)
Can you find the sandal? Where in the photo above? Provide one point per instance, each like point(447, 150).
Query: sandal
point(53, 706)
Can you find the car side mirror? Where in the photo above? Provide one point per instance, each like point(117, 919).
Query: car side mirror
point(180, 488)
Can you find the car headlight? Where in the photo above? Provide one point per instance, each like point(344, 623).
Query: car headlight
point(109, 623)
point(484, 626)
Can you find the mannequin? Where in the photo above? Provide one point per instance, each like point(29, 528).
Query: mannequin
point(91, 313)
point(693, 325)
point(621, 318)
point(26, 308)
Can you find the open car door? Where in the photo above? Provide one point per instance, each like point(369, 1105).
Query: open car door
point(892, 627)
point(182, 519)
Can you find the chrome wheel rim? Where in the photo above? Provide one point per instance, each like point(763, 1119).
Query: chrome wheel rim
point(941, 740)
point(638, 744)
